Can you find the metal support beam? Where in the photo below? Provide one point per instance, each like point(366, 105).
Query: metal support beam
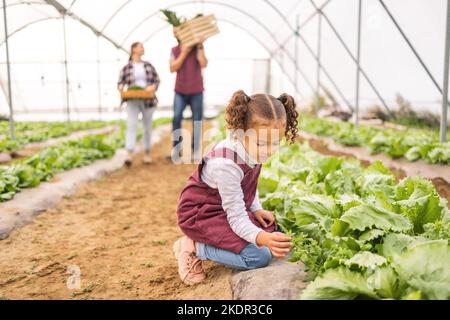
point(64, 11)
point(8, 68)
point(297, 28)
point(363, 73)
point(358, 62)
point(66, 71)
point(422, 63)
point(302, 25)
point(443, 129)
point(319, 42)
point(99, 80)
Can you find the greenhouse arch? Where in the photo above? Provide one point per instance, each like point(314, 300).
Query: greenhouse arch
point(276, 25)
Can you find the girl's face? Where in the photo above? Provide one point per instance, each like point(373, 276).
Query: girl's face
point(262, 141)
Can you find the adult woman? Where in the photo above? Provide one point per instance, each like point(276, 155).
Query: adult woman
point(139, 73)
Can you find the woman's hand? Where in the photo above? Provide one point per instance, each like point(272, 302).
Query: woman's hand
point(266, 218)
point(151, 88)
point(120, 87)
point(278, 243)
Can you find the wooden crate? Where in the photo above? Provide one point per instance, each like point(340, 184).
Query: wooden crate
point(190, 31)
point(136, 94)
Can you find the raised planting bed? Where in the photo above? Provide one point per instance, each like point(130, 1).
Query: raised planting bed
point(359, 232)
point(106, 157)
point(410, 144)
point(417, 168)
point(32, 132)
point(31, 171)
point(32, 148)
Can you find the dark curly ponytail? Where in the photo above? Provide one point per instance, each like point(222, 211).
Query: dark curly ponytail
point(291, 116)
point(244, 111)
point(237, 111)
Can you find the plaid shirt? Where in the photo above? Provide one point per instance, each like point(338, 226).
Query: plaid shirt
point(126, 77)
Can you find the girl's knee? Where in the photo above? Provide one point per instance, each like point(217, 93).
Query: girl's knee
point(258, 258)
point(265, 257)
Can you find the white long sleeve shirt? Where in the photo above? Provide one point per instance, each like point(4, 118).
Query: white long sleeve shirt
point(226, 176)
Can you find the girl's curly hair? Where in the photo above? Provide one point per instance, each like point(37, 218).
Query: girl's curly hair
point(243, 111)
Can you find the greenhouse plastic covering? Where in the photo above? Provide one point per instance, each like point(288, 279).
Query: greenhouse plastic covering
point(285, 32)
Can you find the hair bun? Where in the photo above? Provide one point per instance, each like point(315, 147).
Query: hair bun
point(240, 98)
point(284, 98)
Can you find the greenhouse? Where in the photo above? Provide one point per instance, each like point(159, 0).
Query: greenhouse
point(311, 164)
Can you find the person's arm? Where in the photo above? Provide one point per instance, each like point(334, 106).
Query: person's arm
point(121, 82)
point(226, 176)
point(177, 63)
point(201, 57)
point(154, 80)
point(256, 205)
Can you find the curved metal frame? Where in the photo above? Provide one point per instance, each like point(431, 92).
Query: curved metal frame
point(257, 21)
point(239, 27)
point(28, 25)
point(274, 38)
point(115, 14)
point(66, 11)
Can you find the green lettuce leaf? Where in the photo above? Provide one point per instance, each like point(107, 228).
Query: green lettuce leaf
point(367, 216)
point(338, 284)
point(419, 201)
point(425, 267)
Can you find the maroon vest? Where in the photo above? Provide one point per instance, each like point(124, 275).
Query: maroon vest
point(201, 216)
point(189, 77)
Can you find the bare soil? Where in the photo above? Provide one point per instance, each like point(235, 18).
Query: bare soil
point(118, 231)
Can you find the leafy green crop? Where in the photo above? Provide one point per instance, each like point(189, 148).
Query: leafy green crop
point(172, 17)
point(31, 171)
point(29, 132)
point(359, 232)
point(412, 144)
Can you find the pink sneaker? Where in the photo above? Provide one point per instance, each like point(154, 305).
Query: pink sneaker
point(190, 268)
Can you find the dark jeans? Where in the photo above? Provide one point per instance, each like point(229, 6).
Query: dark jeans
point(195, 101)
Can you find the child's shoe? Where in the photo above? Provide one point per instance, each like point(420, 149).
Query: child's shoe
point(190, 268)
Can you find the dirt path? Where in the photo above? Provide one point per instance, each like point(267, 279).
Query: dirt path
point(119, 232)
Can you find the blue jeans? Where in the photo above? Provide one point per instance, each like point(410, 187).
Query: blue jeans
point(251, 257)
point(196, 103)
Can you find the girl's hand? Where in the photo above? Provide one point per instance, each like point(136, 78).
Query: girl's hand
point(278, 243)
point(266, 218)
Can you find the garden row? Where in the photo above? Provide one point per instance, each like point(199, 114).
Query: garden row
point(360, 233)
point(30, 132)
point(412, 144)
point(31, 171)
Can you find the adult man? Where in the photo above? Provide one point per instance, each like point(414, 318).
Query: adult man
point(188, 63)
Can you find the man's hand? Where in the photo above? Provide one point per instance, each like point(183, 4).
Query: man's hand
point(201, 39)
point(186, 49)
point(278, 243)
point(266, 218)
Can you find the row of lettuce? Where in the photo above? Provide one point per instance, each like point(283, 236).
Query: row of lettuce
point(412, 144)
point(360, 233)
point(31, 171)
point(30, 132)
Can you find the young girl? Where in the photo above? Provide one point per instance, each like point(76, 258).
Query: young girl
point(219, 211)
